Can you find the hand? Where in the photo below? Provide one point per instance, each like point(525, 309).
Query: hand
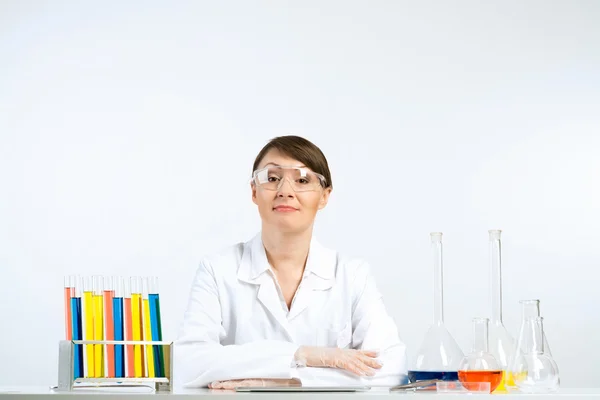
point(232, 384)
point(359, 362)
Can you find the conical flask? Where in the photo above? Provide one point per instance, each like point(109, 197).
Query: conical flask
point(529, 309)
point(534, 370)
point(439, 355)
point(502, 345)
point(480, 365)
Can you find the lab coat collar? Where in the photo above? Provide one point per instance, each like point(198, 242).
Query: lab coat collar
point(319, 274)
point(321, 261)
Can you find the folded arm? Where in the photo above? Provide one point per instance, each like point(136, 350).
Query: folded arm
point(201, 359)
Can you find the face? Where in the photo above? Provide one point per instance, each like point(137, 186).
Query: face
point(286, 210)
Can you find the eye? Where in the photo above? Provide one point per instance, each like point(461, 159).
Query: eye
point(303, 181)
point(273, 179)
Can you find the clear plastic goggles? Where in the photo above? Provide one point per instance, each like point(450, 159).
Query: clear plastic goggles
point(301, 179)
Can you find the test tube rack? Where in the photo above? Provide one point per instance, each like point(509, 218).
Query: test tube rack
point(66, 361)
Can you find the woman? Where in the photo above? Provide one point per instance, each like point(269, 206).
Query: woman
point(281, 309)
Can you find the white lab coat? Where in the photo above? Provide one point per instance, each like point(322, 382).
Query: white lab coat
point(237, 324)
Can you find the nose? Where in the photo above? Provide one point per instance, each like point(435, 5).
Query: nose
point(285, 189)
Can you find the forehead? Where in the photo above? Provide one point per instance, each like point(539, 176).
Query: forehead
point(275, 157)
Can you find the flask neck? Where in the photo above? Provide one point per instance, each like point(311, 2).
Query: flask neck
point(438, 280)
point(495, 277)
point(530, 309)
point(533, 336)
point(480, 335)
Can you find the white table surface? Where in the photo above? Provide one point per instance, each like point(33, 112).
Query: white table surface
point(33, 392)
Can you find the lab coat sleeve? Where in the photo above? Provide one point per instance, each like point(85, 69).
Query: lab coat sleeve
point(372, 329)
point(199, 357)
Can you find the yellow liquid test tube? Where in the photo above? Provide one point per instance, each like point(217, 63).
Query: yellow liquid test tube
point(136, 325)
point(147, 329)
point(88, 314)
point(98, 327)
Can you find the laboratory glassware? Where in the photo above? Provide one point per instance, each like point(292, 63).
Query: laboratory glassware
point(128, 330)
point(88, 326)
point(147, 330)
point(76, 328)
point(534, 370)
point(98, 326)
point(480, 365)
point(68, 293)
point(117, 303)
point(501, 343)
point(155, 321)
point(439, 355)
point(109, 294)
point(136, 325)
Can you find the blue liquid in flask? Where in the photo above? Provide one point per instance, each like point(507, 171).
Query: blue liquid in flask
point(415, 376)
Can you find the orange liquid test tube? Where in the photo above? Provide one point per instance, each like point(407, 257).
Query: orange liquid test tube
point(129, 356)
point(109, 325)
point(69, 291)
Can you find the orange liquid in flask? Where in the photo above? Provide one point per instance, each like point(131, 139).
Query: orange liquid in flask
point(473, 377)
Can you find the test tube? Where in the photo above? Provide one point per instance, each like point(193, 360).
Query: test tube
point(98, 327)
point(76, 328)
point(136, 325)
point(88, 326)
point(147, 330)
point(118, 326)
point(156, 325)
point(128, 329)
point(68, 292)
point(109, 332)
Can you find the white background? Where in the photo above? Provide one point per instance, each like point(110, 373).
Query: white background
point(128, 132)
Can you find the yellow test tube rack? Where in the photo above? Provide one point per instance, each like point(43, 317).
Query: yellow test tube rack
point(66, 362)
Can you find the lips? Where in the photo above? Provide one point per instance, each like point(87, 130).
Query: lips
point(285, 208)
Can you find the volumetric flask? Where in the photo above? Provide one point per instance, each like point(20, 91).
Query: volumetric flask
point(439, 355)
point(480, 365)
point(501, 343)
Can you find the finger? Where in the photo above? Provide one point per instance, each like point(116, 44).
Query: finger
point(252, 382)
point(228, 384)
point(366, 364)
point(370, 353)
point(354, 366)
point(371, 362)
point(232, 384)
point(365, 369)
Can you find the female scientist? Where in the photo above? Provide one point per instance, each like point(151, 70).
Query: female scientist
point(282, 309)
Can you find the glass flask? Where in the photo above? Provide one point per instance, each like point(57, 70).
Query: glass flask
point(529, 309)
point(480, 365)
point(439, 354)
point(534, 370)
point(501, 343)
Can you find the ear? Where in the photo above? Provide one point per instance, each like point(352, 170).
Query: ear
point(253, 187)
point(324, 198)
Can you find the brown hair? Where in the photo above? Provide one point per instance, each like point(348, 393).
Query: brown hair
point(300, 149)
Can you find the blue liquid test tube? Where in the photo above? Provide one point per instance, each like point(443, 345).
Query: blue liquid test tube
point(118, 326)
point(155, 323)
point(76, 327)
